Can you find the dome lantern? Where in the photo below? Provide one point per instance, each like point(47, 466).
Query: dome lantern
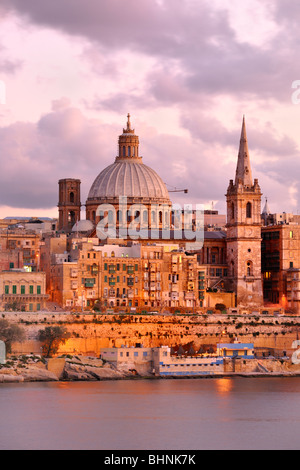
point(128, 143)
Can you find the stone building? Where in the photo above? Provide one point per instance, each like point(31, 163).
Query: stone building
point(280, 256)
point(145, 198)
point(243, 240)
point(19, 248)
point(22, 290)
point(69, 204)
point(136, 277)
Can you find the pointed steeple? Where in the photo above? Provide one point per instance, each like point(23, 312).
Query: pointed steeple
point(266, 210)
point(243, 169)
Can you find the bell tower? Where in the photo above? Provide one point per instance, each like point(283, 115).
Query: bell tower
point(69, 203)
point(244, 230)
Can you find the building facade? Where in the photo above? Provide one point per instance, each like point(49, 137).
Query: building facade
point(22, 290)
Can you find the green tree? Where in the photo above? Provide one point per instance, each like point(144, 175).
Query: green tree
point(9, 333)
point(52, 337)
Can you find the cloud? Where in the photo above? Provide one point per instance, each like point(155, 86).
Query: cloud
point(63, 143)
point(196, 36)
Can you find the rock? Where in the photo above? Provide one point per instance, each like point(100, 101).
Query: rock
point(36, 374)
point(104, 372)
point(8, 378)
point(79, 371)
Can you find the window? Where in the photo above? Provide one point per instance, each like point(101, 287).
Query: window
point(11, 265)
point(30, 289)
point(248, 210)
point(6, 289)
point(22, 289)
point(38, 289)
point(14, 289)
point(249, 268)
point(232, 211)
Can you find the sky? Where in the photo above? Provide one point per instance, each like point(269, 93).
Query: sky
point(186, 71)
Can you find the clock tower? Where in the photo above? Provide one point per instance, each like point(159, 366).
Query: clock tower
point(244, 231)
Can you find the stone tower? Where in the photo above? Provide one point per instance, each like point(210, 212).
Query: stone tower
point(69, 203)
point(244, 230)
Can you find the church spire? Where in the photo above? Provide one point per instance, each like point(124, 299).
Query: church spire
point(243, 169)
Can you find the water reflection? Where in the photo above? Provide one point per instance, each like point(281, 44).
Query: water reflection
point(179, 414)
point(224, 385)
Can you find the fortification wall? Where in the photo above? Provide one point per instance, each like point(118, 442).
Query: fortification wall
point(91, 332)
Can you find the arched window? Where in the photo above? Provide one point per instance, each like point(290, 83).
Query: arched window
point(124, 151)
point(129, 151)
point(72, 197)
point(232, 211)
point(248, 210)
point(249, 268)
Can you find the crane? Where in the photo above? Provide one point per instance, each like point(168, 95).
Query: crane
point(175, 190)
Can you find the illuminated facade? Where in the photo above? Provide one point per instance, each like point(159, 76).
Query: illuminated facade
point(137, 277)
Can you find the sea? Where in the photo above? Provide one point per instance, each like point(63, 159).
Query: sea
point(163, 414)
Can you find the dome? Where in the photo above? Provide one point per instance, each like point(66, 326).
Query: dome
point(131, 179)
point(128, 176)
point(83, 226)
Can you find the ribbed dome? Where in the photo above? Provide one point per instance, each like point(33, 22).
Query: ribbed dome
point(128, 178)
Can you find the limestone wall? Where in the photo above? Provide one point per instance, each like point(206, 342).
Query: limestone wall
point(91, 332)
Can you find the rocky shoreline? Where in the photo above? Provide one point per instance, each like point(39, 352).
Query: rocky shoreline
point(30, 368)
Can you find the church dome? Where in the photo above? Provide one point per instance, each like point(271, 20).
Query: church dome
point(83, 226)
point(128, 176)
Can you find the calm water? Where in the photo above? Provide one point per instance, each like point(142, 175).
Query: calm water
point(193, 414)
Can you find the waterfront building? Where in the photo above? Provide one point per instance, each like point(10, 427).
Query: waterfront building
point(162, 362)
point(236, 350)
